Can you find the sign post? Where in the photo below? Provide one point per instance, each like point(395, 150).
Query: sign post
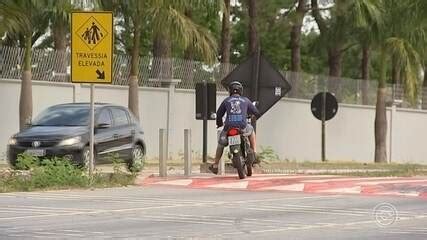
point(205, 110)
point(324, 107)
point(92, 58)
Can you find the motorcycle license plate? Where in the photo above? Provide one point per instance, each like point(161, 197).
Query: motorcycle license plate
point(234, 140)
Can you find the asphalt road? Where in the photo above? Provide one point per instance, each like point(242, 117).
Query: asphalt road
point(178, 213)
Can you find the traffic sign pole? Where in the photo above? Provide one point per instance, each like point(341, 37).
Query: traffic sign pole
point(92, 59)
point(205, 122)
point(92, 130)
point(255, 81)
point(323, 127)
point(324, 107)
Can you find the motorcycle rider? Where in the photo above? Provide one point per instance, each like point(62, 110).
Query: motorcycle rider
point(237, 108)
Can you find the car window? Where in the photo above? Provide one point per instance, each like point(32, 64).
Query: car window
point(105, 117)
point(63, 116)
point(120, 117)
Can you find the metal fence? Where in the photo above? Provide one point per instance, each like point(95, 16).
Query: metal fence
point(48, 65)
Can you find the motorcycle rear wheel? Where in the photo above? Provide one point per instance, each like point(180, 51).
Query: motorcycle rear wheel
point(237, 162)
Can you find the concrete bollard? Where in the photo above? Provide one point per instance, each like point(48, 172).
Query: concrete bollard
point(187, 153)
point(163, 171)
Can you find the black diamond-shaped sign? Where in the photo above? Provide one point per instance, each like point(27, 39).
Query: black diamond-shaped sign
point(91, 33)
point(272, 85)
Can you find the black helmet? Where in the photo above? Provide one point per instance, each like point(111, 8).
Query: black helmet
point(235, 87)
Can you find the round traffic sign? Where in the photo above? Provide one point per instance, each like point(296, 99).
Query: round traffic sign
point(329, 102)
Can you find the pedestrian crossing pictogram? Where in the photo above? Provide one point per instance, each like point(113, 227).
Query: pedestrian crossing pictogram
point(92, 33)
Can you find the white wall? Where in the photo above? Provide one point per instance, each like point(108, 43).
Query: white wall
point(289, 127)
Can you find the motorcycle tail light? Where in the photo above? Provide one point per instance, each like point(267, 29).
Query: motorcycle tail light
point(233, 132)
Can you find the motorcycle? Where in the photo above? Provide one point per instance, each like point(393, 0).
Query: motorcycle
point(240, 152)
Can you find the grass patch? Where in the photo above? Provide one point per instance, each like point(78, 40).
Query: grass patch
point(347, 168)
point(57, 173)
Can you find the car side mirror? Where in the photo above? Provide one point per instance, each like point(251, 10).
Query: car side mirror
point(102, 125)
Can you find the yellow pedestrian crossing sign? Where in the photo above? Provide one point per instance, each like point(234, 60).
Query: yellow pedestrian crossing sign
point(92, 47)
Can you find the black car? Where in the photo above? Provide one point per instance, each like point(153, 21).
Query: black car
point(62, 130)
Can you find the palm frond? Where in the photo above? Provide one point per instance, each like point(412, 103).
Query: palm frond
point(169, 20)
point(409, 61)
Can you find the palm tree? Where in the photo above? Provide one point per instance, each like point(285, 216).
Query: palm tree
point(59, 11)
point(226, 34)
point(424, 93)
point(168, 21)
point(253, 33)
point(295, 43)
point(398, 44)
point(132, 11)
point(368, 17)
point(337, 32)
point(20, 17)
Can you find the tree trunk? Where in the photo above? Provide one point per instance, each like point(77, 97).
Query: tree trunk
point(26, 95)
point(133, 100)
point(188, 64)
point(381, 115)
point(424, 97)
point(253, 34)
point(381, 127)
point(60, 36)
point(365, 74)
point(225, 40)
point(334, 61)
point(296, 47)
point(162, 64)
point(60, 45)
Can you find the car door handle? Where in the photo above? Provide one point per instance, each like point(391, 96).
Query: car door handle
point(115, 136)
point(132, 132)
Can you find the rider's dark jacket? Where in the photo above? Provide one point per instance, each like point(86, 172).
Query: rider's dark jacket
point(237, 109)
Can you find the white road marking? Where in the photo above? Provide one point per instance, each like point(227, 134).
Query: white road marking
point(332, 225)
point(26, 207)
point(298, 187)
point(344, 179)
point(406, 232)
point(232, 185)
point(46, 233)
point(393, 182)
point(221, 217)
point(279, 177)
point(302, 210)
point(395, 193)
point(112, 198)
point(352, 190)
point(176, 220)
point(180, 182)
point(91, 212)
point(283, 198)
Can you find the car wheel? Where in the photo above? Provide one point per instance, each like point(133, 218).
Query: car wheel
point(137, 159)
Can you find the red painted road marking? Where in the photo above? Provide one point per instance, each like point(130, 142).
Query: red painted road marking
point(395, 186)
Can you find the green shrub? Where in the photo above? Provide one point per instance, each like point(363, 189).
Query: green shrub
point(267, 155)
point(58, 173)
point(26, 161)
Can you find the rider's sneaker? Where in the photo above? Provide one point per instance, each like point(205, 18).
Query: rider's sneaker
point(213, 169)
